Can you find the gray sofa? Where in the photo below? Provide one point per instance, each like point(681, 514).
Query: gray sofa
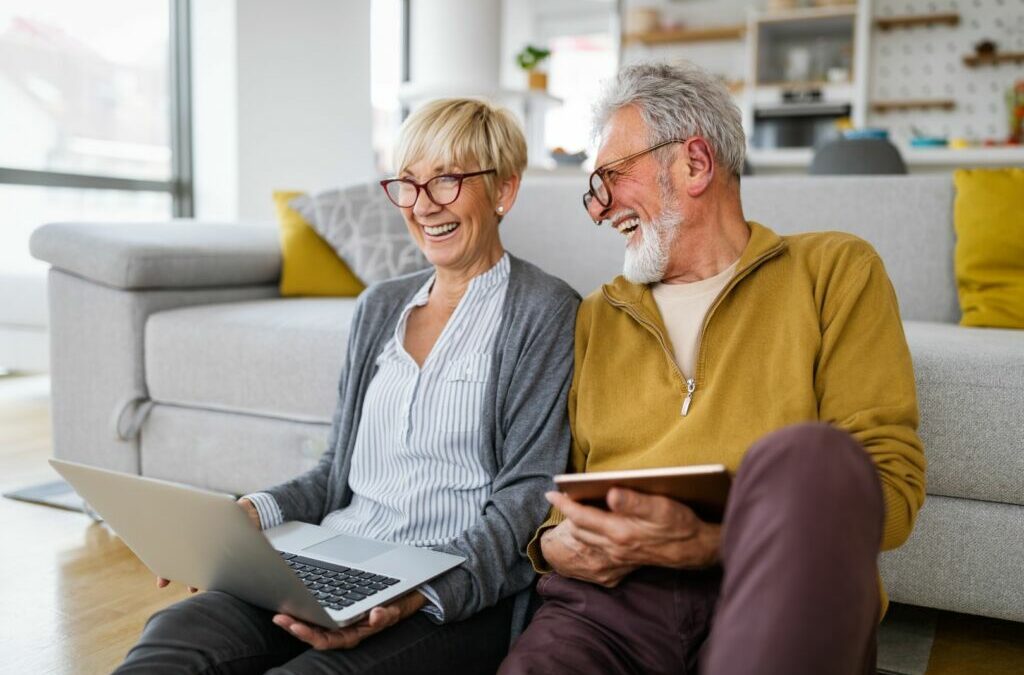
point(173, 356)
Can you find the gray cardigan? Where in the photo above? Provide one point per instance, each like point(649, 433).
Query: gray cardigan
point(524, 418)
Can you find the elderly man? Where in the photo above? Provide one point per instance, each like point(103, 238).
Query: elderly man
point(782, 358)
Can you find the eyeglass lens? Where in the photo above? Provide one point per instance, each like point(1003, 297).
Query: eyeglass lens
point(442, 190)
point(599, 189)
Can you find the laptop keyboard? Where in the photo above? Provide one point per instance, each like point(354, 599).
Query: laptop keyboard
point(336, 586)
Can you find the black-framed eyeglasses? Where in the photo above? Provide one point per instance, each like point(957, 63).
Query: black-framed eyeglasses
point(442, 190)
point(600, 187)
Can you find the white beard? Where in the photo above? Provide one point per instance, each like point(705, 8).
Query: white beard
point(646, 262)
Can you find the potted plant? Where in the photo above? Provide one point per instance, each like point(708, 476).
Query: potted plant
point(529, 59)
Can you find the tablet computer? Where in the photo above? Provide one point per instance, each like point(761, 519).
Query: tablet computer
point(703, 487)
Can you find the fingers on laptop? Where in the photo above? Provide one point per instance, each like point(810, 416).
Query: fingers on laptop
point(384, 616)
point(321, 638)
point(250, 510)
point(161, 583)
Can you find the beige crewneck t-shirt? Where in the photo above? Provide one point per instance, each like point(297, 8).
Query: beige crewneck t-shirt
point(683, 308)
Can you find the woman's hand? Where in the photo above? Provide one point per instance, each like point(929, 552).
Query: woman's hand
point(161, 583)
point(350, 636)
point(250, 510)
point(254, 517)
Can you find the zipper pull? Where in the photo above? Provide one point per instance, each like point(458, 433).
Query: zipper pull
point(691, 385)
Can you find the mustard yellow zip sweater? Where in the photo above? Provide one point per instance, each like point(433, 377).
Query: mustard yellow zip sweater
point(808, 329)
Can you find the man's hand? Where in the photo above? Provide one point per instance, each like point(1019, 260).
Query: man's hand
point(570, 557)
point(254, 517)
point(642, 529)
point(350, 636)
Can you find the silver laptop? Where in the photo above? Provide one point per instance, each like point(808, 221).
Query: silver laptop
point(203, 539)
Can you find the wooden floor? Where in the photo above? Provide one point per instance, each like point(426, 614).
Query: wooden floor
point(73, 598)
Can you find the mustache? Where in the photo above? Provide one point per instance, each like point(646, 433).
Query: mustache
point(621, 213)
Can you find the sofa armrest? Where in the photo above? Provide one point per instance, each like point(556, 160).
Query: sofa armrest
point(175, 254)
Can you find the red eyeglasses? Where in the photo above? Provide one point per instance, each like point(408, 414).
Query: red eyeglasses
point(442, 190)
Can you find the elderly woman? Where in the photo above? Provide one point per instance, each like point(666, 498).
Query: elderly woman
point(451, 418)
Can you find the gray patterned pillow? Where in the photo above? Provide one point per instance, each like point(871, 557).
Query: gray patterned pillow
point(365, 229)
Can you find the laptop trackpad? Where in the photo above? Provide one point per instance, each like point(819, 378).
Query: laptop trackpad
point(353, 549)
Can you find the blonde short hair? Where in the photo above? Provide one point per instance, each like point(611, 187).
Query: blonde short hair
point(463, 132)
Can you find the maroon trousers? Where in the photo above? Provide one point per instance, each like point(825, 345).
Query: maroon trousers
point(797, 591)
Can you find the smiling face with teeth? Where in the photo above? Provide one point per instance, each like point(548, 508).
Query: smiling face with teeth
point(462, 236)
point(643, 206)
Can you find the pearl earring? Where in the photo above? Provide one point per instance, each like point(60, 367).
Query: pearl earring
point(501, 209)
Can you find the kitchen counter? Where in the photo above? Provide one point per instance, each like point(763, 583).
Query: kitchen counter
point(919, 160)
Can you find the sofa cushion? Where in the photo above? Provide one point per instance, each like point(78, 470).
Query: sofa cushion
point(970, 388)
point(309, 266)
point(990, 246)
point(227, 452)
point(908, 219)
point(366, 229)
point(548, 226)
point(963, 556)
point(278, 358)
point(176, 254)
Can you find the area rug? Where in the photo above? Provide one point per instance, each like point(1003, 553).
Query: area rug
point(905, 639)
point(57, 494)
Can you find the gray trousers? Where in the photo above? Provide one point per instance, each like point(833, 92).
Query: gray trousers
point(216, 633)
point(797, 591)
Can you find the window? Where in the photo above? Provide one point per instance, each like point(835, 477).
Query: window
point(580, 66)
point(583, 36)
point(93, 115)
point(389, 68)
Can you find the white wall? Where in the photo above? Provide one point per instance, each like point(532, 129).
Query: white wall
point(518, 29)
point(281, 101)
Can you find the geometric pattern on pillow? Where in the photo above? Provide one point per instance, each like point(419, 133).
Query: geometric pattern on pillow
point(365, 229)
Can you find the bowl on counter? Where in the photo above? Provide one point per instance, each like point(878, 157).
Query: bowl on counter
point(563, 158)
point(866, 132)
point(927, 142)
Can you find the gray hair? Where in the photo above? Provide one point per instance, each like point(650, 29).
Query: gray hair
point(678, 101)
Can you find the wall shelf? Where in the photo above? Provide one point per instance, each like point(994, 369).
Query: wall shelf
point(828, 31)
point(808, 14)
point(910, 21)
point(790, 158)
point(911, 104)
point(975, 60)
point(791, 85)
point(684, 35)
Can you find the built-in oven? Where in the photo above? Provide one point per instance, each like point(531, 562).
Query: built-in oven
point(799, 121)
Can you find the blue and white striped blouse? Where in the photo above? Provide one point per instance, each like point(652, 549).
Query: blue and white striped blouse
point(417, 476)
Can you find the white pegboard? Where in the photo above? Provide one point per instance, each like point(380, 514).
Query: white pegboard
point(926, 62)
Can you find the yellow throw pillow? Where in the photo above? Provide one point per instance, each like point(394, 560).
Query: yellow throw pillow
point(989, 219)
point(309, 266)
